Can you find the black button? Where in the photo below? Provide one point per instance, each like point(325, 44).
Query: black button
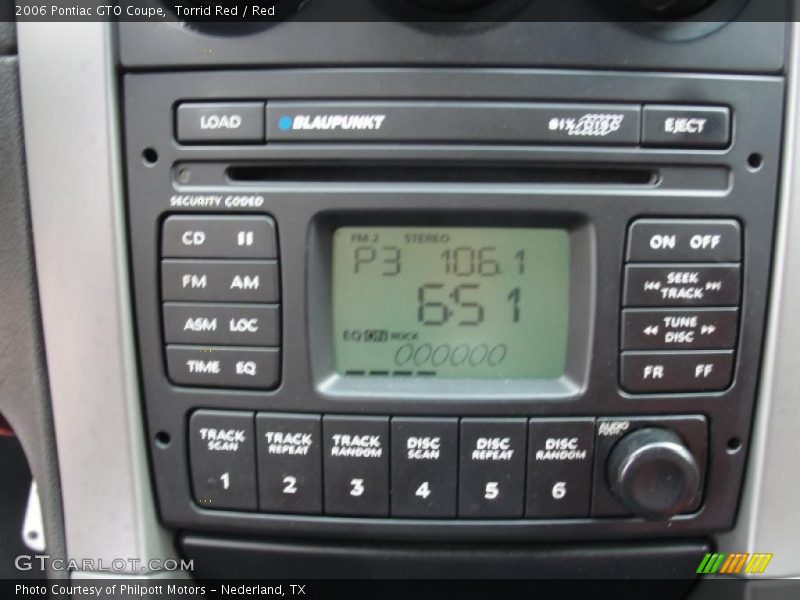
point(212, 366)
point(678, 240)
point(220, 280)
point(560, 467)
point(650, 372)
point(682, 285)
point(289, 463)
point(222, 459)
point(679, 329)
point(223, 324)
point(686, 126)
point(424, 467)
point(199, 123)
point(219, 237)
point(492, 468)
point(356, 465)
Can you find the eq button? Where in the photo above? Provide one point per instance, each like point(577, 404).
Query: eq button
point(356, 465)
point(424, 467)
point(559, 467)
point(492, 468)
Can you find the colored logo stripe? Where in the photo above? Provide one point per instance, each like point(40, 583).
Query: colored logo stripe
point(758, 563)
point(719, 562)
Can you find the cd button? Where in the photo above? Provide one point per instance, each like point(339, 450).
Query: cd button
point(219, 237)
point(654, 372)
point(492, 468)
point(559, 467)
point(356, 465)
point(679, 329)
point(222, 459)
point(424, 467)
point(682, 285)
point(289, 463)
point(678, 240)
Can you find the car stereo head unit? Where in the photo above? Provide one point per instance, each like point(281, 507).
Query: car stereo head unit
point(461, 303)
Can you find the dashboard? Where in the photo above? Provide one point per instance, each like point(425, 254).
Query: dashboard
point(450, 290)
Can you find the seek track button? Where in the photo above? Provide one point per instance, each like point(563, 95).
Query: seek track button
point(682, 285)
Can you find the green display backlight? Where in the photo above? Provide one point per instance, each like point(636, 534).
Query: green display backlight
point(451, 302)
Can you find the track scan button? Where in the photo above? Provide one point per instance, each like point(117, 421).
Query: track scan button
point(679, 329)
point(689, 240)
point(424, 467)
point(223, 324)
point(218, 237)
point(682, 285)
point(222, 459)
point(289, 463)
point(653, 372)
point(492, 468)
point(220, 280)
point(214, 366)
point(356, 465)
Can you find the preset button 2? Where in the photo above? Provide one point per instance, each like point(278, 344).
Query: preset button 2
point(356, 465)
point(424, 467)
point(492, 468)
point(289, 463)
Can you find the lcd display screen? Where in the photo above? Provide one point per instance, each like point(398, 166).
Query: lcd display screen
point(450, 302)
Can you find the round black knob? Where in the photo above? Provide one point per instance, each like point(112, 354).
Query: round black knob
point(653, 474)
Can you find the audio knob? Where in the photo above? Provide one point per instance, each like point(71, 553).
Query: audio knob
point(653, 474)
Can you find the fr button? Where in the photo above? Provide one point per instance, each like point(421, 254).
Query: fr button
point(654, 372)
point(424, 467)
point(356, 465)
point(222, 459)
point(492, 468)
point(560, 467)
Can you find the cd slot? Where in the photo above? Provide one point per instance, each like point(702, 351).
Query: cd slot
point(442, 173)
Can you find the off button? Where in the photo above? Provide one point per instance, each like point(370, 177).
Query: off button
point(684, 240)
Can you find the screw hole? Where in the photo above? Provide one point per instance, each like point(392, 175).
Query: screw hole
point(755, 161)
point(163, 439)
point(149, 157)
point(734, 445)
point(32, 535)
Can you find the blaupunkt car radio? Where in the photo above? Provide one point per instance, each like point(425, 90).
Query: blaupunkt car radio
point(428, 303)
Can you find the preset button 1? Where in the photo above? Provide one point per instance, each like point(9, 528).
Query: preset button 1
point(653, 372)
point(424, 467)
point(289, 463)
point(222, 459)
point(492, 468)
point(560, 467)
point(356, 465)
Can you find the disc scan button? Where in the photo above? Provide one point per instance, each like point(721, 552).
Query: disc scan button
point(653, 372)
